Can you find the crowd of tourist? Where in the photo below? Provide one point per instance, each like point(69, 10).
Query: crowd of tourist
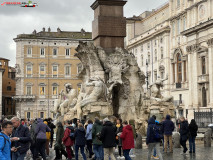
point(98, 140)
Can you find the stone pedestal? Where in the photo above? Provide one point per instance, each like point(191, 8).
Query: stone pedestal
point(139, 142)
point(176, 140)
point(207, 138)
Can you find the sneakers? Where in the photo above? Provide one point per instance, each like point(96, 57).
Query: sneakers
point(122, 157)
point(132, 156)
point(118, 157)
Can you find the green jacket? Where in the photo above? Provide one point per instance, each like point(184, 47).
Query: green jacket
point(96, 128)
point(59, 136)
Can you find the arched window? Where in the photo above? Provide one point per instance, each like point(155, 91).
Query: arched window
point(179, 68)
point(203, 65)
point(204, 99)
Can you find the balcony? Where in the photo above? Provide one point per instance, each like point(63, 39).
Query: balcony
point(25, 98)
point(203, 78)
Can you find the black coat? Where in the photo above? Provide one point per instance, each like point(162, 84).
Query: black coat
point(80, 138)
point(184, 130)
point(52, 127)
point(108, 134)
point(168, 126)
point(193, 130)
point(25, 139)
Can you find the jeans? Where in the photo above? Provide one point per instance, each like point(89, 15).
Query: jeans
point(40, 147)
point(192, 144)
point(151, 146)
point(155, 152)
point(99, 152)
point(108, 153)
point(82, 152)
point(126, 154)
point(18, 156)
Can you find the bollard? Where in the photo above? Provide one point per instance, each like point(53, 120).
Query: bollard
point(207, 138)
point(176, 140)
point(139, 142)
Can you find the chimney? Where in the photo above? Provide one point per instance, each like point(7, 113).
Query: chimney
point(58, 30)
point(49, 30)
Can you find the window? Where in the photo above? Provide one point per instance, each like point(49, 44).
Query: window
point(173, 29)
point(161, 40)
point(156, 75)
point(184, 23)
point(79, 68)
point(42, 90)
point(42, 71)
point(179, 68)
point(9, 88)
point(29, 52)
point(55, 71)
point(67, 71)
point(67, 52)
point(29, 90)
point(161, 50)
point(178, 26)
point(29, 70)
point(41, 114)
point(148, 45)
point(184, 63)
point(148, 58)
point(42, 103)
point(203, 65)
point(42, 52)
point(28, 115)
point(204, 98)
point(156, 57)
point(55, 90)
point(141, 48)
point(178, 3)
point(55, 52)
point(155, 42)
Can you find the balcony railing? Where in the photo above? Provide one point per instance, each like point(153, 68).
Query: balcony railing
point(203, 78)
point(20, 98)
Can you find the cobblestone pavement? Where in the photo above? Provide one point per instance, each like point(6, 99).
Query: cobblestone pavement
point(201, 154)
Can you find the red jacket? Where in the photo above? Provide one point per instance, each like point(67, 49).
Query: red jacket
point(127, 138)
point(66, 139)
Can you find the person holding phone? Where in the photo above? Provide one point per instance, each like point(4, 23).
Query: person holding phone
point(20, 139)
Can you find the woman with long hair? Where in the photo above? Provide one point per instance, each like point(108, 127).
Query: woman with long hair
point(192, 135)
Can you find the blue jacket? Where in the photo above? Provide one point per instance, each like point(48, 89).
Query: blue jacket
point(168, 126)
point(150, 137)
point(89, 132)
point(80, 139)
point(24, 134)
point(5, 148)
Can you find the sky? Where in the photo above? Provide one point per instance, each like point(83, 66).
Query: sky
point(68, 15)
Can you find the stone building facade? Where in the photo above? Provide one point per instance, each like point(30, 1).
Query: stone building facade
point(45, 62)
point(182, 32)
point(8, 86)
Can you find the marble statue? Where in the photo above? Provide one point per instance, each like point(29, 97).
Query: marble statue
point(99, 91)
point(18, 115)
point(67, 99)
point(156, 91)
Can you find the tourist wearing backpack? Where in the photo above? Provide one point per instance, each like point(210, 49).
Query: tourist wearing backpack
point(68, 142)
point(153, 138)
point(168, 127)
point(5, 144)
